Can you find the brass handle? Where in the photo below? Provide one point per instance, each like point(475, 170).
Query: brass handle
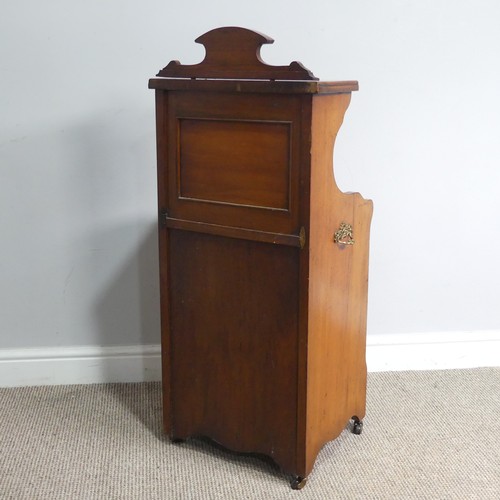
point(344, 235)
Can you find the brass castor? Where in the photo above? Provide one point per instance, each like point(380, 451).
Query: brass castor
point(357, 426)
point(298, 482)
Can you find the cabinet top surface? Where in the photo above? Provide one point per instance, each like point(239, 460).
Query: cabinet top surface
point(257, 86)
point(232, 63)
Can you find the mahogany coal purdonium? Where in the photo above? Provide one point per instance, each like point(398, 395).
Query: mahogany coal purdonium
point(263, 260)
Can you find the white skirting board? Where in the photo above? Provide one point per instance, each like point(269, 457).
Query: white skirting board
point(433, 351)
point(140, 363)
point(79, 365)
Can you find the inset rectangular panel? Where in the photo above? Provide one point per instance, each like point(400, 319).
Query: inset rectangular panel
point(235, 162)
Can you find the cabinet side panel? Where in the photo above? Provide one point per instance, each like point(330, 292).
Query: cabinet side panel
point(162, 164)
point(338, 281)
point(233, 328)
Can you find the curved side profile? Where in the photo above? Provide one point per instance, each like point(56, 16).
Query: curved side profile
point(338, 286)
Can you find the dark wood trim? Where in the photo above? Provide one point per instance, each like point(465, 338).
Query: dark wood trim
point(162, 167)
point(254, 86)
point(303, 284)
point(234, 52)
point(232, 232)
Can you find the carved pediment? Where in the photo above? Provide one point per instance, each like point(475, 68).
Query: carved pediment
point(234, 53)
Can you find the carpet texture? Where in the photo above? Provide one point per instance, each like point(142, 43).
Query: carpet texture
point(427, 435)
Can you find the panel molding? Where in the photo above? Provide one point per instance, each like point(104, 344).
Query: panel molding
point(235, 232)
point(201, 188)
point(142, 363)
point(208, 145)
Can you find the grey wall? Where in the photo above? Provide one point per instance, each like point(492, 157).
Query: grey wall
point(77, 155)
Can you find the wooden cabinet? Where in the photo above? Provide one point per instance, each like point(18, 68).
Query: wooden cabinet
point(263, 261)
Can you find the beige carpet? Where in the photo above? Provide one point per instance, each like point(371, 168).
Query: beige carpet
point(427, 435)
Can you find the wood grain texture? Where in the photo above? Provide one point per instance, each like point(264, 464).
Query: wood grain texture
point(162, 148)
point(254, 86)
point(263, 315)
point(235, 161)
point(293, 240)
point(233, 52)
point(338, 280)
point(254, 181)
point(233, 336)
point(326, 295)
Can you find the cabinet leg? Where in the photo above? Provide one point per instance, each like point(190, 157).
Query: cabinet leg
point(298, 482)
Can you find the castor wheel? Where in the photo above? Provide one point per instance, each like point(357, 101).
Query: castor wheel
point(357, 426)
point(298, 482)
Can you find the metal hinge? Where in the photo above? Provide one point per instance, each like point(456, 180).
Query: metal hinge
point(163, 218)
point(302, 237)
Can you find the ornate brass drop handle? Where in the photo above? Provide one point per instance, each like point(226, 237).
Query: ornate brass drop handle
point(344, 235)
